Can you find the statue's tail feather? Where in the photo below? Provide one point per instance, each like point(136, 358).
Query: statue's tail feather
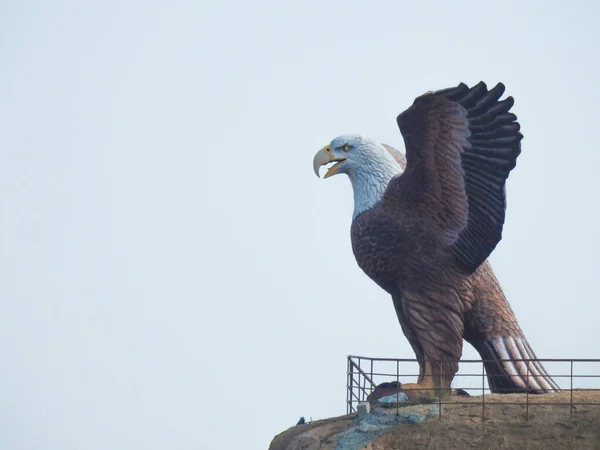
point(512, 367)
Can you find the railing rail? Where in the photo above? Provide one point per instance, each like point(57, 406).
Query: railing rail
point(365, 373)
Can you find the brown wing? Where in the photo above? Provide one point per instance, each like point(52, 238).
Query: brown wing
point(461, 144)
point(399, 157)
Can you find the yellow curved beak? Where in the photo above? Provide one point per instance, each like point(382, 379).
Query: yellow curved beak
point(325, 156)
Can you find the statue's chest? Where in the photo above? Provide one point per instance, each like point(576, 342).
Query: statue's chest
point(379, 246)
point(391, 252)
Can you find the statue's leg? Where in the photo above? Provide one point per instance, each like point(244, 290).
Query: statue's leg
point(432, 321)
point(409, 333)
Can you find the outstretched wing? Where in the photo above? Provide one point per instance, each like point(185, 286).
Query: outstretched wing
point(461, 144)
point(399, 157)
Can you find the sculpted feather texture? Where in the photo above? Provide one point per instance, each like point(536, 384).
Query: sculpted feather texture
point(424, 225)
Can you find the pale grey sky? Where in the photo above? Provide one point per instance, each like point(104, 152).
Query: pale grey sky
point(175, 276)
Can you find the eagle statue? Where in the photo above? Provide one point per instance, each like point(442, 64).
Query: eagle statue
point(424, 225)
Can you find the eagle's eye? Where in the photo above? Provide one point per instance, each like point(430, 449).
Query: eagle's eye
point(346, 147)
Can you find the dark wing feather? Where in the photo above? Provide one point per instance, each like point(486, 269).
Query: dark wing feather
point(461, 144)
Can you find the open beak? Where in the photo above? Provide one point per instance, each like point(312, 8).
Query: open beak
point(325, 156)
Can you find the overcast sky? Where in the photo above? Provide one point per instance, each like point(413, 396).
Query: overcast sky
point(173, 273)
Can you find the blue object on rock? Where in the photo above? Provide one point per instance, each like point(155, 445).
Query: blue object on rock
point(373, 425)
point(398, 397)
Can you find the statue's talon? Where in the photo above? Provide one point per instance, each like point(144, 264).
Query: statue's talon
point(418, 393)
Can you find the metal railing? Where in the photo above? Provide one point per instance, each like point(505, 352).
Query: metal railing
point(364, 374)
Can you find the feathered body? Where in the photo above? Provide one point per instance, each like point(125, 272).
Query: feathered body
point(424, 226)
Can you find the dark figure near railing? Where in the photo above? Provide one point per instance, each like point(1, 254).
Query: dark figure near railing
point(423, 227)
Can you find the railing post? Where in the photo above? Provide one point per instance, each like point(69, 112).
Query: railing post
point(440, 393)
point(371, 375)
point(483, 391)
point(527, 394)
point(359, 377)
point(571, 396)
point(349, 384)
point(397, 388)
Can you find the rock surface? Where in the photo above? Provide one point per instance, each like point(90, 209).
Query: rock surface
point(504, 426)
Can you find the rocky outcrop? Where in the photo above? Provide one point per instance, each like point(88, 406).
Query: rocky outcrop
point(318, 435)
point(510, 421)
point(352, 432)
